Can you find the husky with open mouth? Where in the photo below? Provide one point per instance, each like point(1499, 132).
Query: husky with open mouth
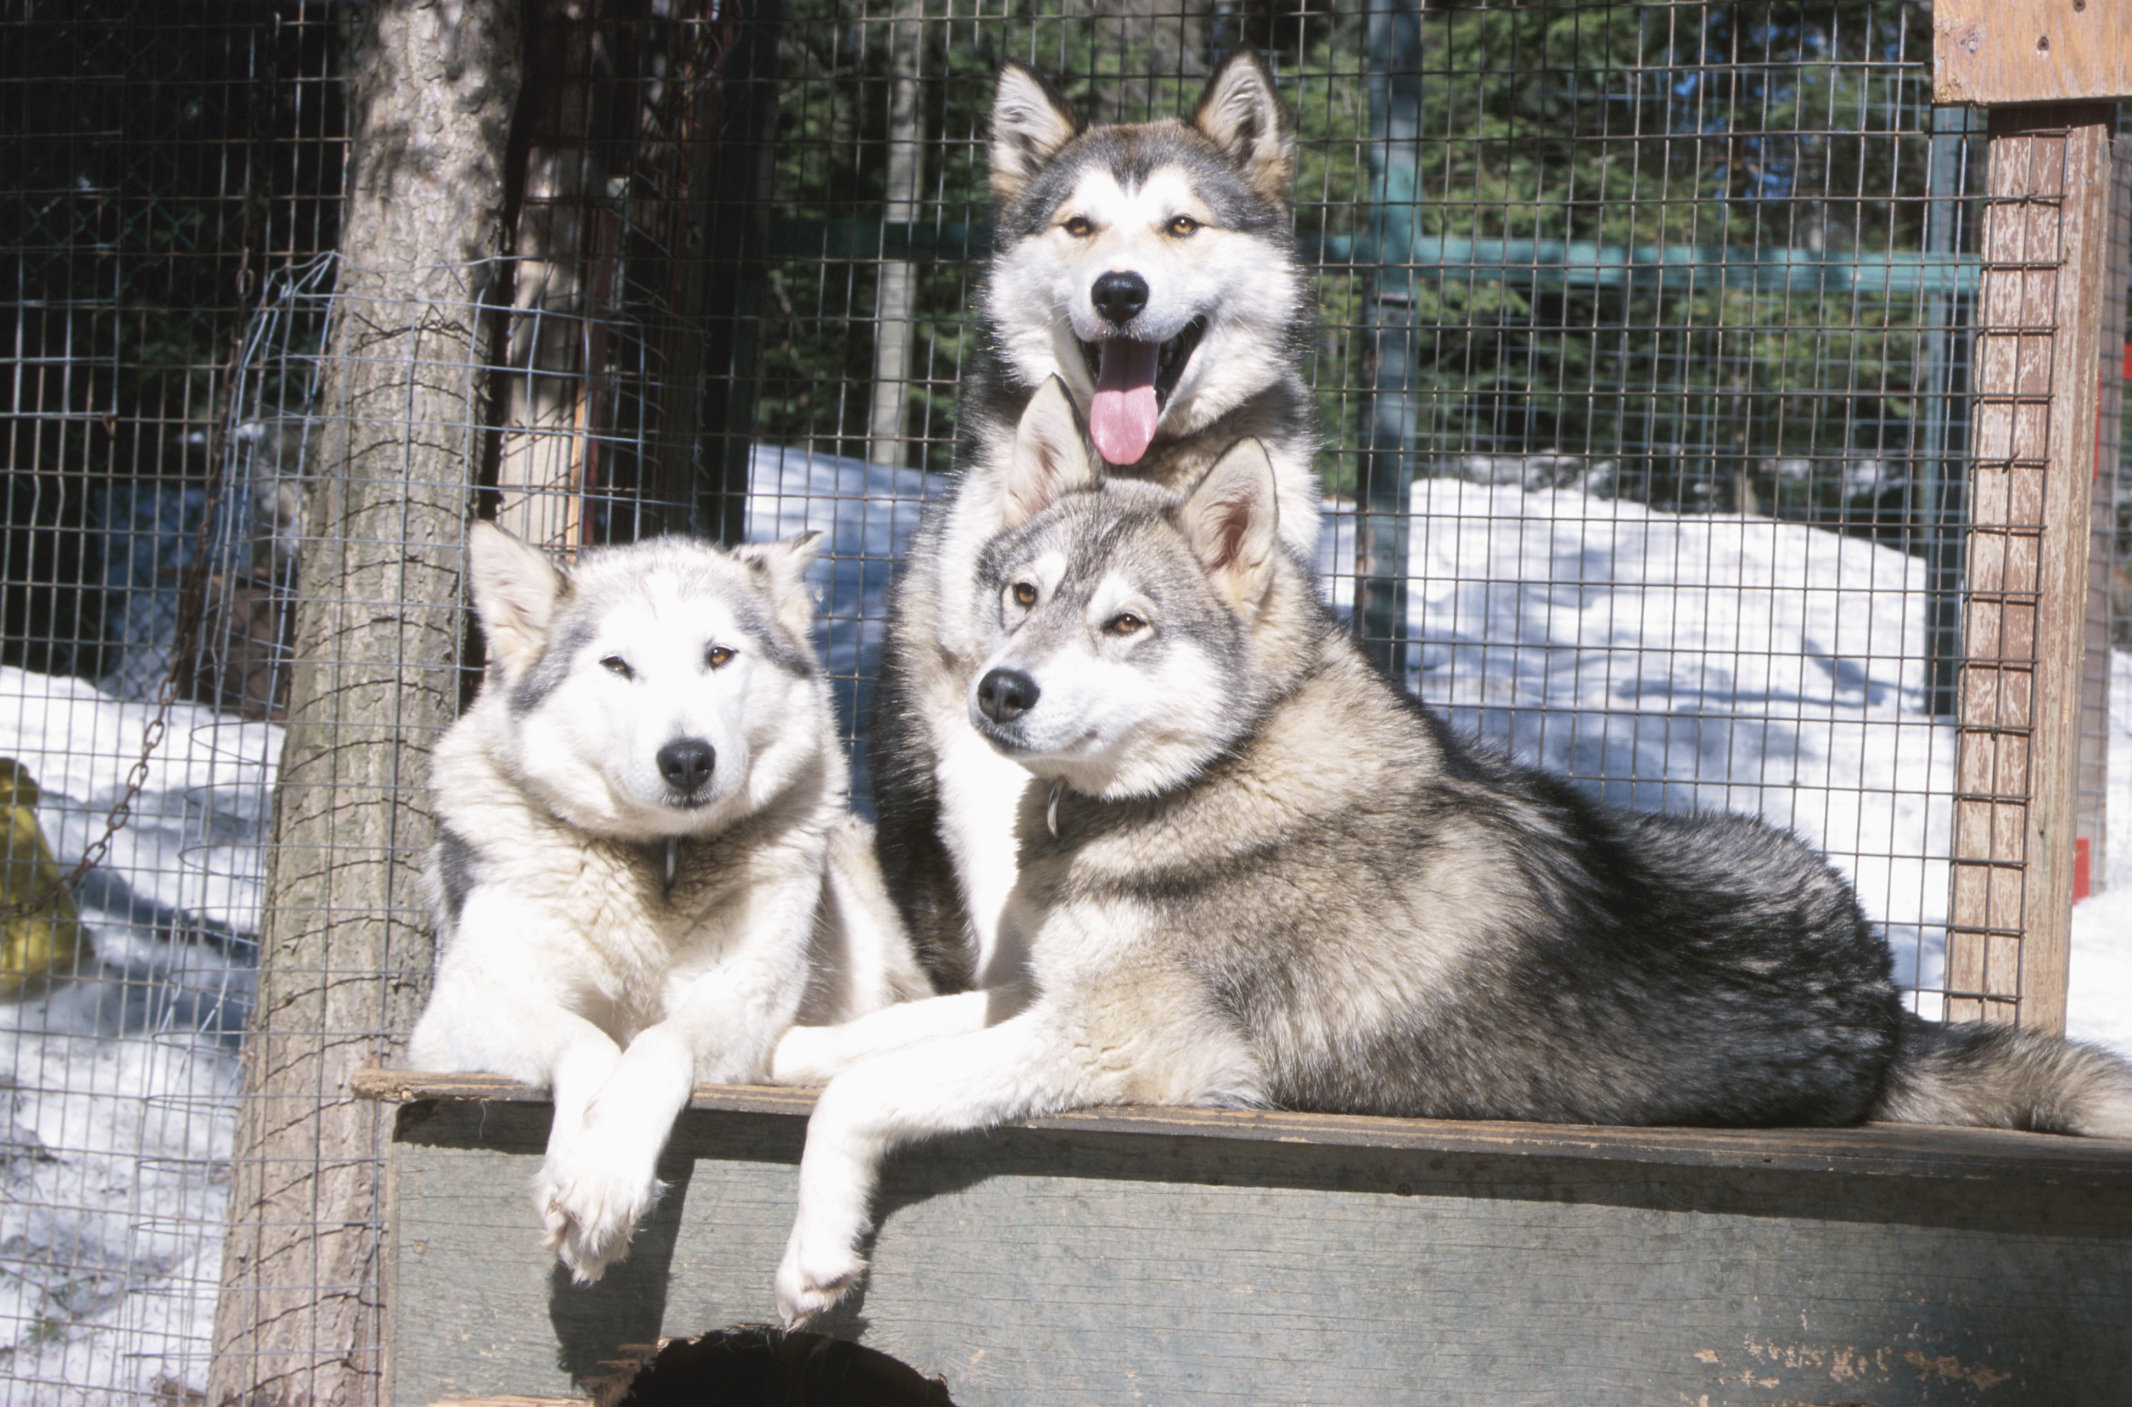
point(1151, 268)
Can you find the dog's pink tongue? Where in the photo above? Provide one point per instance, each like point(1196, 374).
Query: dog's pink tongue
point(1121, 419)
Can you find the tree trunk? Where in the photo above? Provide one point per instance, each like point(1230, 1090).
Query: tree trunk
point(345, 952)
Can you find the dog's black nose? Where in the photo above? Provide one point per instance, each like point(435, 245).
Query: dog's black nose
point(1006, 694)
point(686, 763)
point(1119, 296)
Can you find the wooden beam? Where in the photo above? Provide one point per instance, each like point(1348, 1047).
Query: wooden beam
point(2031, 51)
point(1896, 1150)
point(2040, 314)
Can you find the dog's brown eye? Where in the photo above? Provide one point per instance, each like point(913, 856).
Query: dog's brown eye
point(1125, 624)
point(1182, 225)
point(1080, 227)
point(718, 656)
point(1024, 594)
point(615, 664)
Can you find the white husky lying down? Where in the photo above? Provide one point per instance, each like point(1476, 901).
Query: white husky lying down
point(644, 868)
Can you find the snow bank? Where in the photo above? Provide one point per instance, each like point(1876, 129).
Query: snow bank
point(121, 1081)
point(1700, 662)
point(2099, 995)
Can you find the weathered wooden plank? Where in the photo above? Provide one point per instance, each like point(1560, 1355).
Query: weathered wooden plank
point(1896, 1150)
point(1137, 1255)
point(2031, 51)
point(407, 1086)
point(2046, 226)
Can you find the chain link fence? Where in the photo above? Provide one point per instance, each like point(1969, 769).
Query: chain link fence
point(1644, 371)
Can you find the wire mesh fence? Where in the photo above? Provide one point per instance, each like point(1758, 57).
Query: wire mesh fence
point(169, 170)
point(1644, 377)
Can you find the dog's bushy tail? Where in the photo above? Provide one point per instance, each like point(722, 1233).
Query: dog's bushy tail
point(2007, 1078)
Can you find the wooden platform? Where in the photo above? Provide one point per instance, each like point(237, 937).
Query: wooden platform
point(1210, 1257)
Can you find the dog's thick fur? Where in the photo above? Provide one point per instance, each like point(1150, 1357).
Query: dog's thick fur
point(644, 868)
point(1254, 874)
point(1152, 268)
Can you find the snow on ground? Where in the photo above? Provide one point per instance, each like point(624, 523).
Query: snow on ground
point(1666, 661)
point(1698, 663)
point(2099, 994)
point(121, 1081)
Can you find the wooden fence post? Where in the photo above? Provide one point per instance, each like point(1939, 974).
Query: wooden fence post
point(2046, 222)
point(2044, 411)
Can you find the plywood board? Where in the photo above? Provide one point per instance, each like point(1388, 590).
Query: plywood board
point(1142, 1258)
point(2031, 51)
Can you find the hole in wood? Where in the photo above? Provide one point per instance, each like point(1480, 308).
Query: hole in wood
point(764, 1367)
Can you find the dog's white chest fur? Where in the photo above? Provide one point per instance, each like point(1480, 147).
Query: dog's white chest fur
point(980, 794)
point(597, 917)
point(638, 935)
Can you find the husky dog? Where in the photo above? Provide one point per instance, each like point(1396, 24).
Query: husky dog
point(1254, 874)
point(644, 868)
point(1152, 268)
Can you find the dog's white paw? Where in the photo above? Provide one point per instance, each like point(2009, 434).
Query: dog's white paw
point(814, 1274)
point(590, 1211)
point(553, 1224)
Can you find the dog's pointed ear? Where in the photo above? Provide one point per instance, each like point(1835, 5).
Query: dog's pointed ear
point(515, 588)
point(782, 566)
point(1241, 112)
point(1232, 521)
point(1030, 121)
point(1051, 457)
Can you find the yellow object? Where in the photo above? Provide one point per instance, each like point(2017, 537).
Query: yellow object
point(50, 939)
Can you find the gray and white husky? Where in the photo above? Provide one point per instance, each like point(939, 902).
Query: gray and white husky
point(1254, 874)
point(1151, 267)
point(644, 868)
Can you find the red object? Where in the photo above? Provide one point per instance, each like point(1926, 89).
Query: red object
point(2128, 361)
point(2083, 876)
